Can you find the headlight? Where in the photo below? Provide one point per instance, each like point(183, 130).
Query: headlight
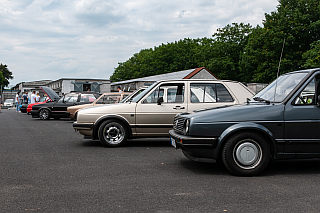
point(186, 126)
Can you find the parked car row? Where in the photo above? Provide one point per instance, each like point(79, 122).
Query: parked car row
point(53, 106)
point(209, 120)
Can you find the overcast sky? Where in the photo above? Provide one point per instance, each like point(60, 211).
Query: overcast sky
point(51, 39)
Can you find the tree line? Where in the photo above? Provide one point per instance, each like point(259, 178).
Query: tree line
point(239, 51)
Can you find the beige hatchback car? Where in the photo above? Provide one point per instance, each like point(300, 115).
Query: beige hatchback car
point(105, 98)
point(151, 113)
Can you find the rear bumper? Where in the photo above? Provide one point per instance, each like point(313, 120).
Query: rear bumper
point(196, 147)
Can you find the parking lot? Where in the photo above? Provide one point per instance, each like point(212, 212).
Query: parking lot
point(47, 167)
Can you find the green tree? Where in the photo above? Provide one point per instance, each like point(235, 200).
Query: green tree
point(219, 54)
point(165, 58)
point(1, 79)
point(312, 56)
point(229, 43)
point(6, 75)
point(296, 21)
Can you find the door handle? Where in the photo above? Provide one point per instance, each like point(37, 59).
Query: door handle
point(178, 107)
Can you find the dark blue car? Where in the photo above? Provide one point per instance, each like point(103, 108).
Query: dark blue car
point(280, 122)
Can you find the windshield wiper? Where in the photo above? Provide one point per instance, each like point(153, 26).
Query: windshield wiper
point(261, 99)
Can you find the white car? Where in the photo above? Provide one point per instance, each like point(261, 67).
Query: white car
point(8, 103)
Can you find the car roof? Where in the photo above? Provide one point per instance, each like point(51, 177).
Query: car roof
point(116, 93)
point(84, 92)
point(225, 81)
point(306, 70)
point(199, 80)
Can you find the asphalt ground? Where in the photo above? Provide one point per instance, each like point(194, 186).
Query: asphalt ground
point(46, 167)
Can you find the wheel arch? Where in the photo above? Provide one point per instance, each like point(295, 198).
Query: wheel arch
point(110, 117)
point(246, 127)
point(45, 108)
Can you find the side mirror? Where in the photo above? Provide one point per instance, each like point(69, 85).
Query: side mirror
point(160, 100)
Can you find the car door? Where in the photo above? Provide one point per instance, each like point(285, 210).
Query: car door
point(60, 107)
point(156, 119)
point(208, 95)
point(302, 119)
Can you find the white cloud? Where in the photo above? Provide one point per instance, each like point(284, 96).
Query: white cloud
point(87, 38)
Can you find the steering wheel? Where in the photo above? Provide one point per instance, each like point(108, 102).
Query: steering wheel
point(303, 101)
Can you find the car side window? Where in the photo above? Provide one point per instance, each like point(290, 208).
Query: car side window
point(110, 99)
point(171, 93)
point(209, 93)
point(203, 93)
point(153, 97)
point(87, 98)
point(308, 95)
point(223, 94)
point(71, 98)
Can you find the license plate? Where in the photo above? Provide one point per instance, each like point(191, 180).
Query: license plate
point(173, 143)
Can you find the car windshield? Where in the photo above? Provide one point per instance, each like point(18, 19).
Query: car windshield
point(9, 101)
point(138, 97)
point(132, 95)
point(285, 84)
point(69, 98)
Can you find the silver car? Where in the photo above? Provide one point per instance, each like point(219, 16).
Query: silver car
point(151, 113)
point(8, 103)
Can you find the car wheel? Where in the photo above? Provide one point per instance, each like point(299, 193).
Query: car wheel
point(44, 114)
point(112, 133)
point(246, 154)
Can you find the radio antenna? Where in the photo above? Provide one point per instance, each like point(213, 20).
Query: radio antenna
point(275, 90)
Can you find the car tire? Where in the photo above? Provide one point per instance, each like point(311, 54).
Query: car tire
point(44, 114)
point(112, 133)
point(246, 154)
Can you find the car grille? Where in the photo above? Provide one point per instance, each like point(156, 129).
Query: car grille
point(178, 124)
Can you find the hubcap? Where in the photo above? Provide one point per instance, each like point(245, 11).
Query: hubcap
point(114, 133)
point(44, 114)
point(247, 154)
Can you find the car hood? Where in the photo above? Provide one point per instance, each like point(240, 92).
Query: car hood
point(239, 113)
point(51, 93)
point(109, 109)
point(80, 106)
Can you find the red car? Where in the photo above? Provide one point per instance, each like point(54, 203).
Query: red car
point(51, 96)
point(42, 101)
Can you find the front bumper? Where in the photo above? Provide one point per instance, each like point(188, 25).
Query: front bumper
point(78, 126)
point(85, 129)
point(196, 147)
